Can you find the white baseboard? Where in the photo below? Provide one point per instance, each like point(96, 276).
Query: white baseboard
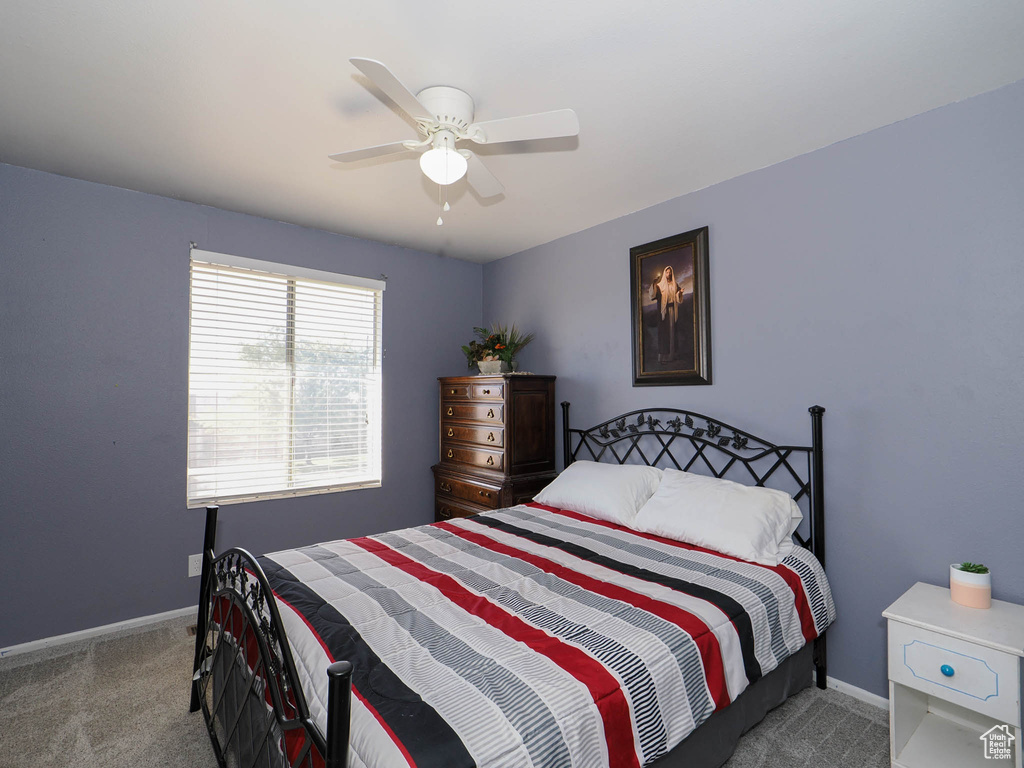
point(858, 693)
point(85, 634)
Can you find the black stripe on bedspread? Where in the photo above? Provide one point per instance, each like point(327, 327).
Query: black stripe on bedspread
point(573, 528)
point(518, 703)
point(417, 726)
point(630, 668)
point(728, 606)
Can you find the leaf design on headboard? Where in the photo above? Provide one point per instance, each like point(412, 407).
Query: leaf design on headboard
point(712, 431)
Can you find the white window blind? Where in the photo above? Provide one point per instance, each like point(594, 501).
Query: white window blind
point(284, 381)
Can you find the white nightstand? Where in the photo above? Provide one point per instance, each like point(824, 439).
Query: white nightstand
point(954, 675)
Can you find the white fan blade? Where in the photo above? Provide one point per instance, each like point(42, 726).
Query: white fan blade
point(479, 178)
point(383, 78)
point(545, 125)
point(365, 152)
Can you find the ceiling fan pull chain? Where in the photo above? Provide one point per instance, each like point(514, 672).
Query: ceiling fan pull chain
point(446, 207)
point(440, 221)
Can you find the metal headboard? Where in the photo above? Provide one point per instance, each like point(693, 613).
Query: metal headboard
point(688, 440)
point(668, 437)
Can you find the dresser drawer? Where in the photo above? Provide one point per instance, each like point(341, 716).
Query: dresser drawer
point(489, 414)
point(446, 509)
point(485, 496)
point(488, 391)
point(475, 457)
point(973, 676)
point(491, 437)
point(455, 391)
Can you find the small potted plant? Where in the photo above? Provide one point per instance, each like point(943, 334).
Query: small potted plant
point(970, 584)
point(495, 349)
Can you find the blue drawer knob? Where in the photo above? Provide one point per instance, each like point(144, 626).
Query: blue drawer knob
point(946, 670)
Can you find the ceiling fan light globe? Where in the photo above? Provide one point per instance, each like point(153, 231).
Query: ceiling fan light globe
point(443, 165)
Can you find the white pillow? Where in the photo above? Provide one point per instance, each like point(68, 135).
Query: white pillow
point(609, 492)
point(739, 520)
point(787, 545)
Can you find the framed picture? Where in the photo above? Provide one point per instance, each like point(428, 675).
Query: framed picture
point(671, 302)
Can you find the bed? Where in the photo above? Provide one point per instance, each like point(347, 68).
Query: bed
point(528, 636)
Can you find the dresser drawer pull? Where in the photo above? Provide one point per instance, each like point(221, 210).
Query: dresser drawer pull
point(490, 414)
point(449, 411)
point(450, 431)
point(487, 494)
point(487, 391)
point(445, 512)
point(452, 391)
point(490, 437)
point(446, 487)
point(490, 460)
point(450, 453)
point(947, 670)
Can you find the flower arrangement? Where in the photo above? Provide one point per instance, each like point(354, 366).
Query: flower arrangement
point(498, 343)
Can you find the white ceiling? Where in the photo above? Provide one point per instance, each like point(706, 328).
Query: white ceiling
point(237, 104)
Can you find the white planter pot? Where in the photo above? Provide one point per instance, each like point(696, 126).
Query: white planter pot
point(971, 589)
point(492, 366)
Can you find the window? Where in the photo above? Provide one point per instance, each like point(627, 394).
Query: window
point(284, 381)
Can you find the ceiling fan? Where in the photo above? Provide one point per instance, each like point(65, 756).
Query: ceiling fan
point(444, 116)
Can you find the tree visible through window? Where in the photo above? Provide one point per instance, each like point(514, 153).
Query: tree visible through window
point(284, 381)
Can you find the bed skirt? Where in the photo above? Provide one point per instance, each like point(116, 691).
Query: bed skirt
point(715, 740)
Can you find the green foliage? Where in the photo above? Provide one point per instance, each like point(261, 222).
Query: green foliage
point(475, 352)
point(973, 568)
point(496, 343)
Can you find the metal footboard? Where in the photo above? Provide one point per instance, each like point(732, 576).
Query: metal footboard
point(244, 677)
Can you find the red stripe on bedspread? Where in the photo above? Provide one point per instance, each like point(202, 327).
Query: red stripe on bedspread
point(694, 626)
point(355, 691)
point(603, 686)
point(790, 577)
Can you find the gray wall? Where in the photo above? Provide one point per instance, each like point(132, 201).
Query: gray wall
point(880, 277)
point(93, 397)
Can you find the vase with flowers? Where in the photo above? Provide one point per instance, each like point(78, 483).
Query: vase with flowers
point(495, 348)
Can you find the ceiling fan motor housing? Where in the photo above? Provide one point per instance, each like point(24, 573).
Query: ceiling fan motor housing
point(449, 106)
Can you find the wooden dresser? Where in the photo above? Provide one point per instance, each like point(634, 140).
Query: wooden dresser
point(497, 442)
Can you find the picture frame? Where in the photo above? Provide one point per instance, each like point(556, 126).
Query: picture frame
point(670, 293)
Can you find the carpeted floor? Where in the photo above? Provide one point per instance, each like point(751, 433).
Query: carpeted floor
point(122, 701)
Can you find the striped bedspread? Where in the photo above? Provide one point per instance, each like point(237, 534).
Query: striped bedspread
point(533, 637)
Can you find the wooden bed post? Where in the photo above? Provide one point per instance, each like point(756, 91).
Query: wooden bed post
point(818, 528)
point(209, 545)
point(339, 713)
point(566, 447)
